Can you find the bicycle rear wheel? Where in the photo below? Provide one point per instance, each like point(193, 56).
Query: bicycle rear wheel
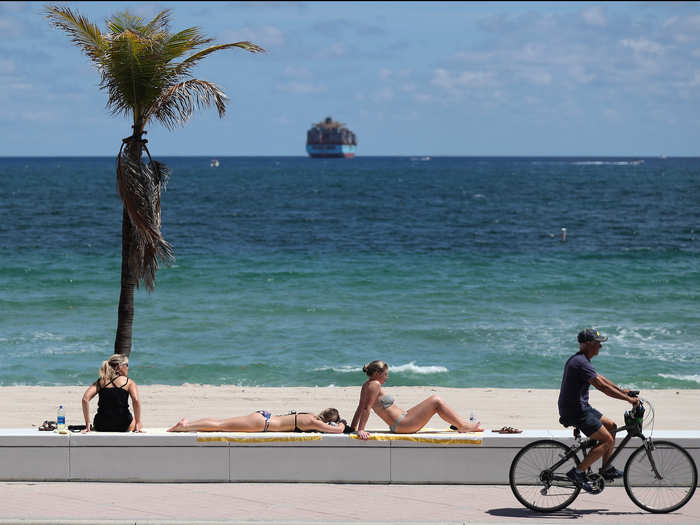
point(677, 472)
point(533, 481)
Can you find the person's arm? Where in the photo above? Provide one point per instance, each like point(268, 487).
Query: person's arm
point(609, 388)
point(368, 395)
point(87, 396)
point(317, 424)
point(134, 393)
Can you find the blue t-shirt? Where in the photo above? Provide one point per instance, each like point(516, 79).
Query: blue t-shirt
point(573, 395)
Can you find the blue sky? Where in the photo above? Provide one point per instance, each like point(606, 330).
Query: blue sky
point(409, 78)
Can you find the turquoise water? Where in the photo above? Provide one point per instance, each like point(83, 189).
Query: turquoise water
point(294, 271)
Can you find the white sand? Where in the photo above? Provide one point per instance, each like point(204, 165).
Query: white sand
point(26, 406)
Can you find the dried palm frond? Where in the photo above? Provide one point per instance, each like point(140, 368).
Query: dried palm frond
point(139, 185)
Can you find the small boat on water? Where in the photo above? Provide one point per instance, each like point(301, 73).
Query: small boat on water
point(214, 163)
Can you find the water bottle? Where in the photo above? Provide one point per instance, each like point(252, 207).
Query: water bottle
point(61, 420)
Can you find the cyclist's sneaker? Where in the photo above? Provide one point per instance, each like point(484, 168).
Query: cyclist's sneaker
point(611, 473)
point(580, 479)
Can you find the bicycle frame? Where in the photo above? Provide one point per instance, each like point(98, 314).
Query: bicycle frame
point(633, 430)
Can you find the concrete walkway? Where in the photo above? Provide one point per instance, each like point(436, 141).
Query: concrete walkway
point(143, 503)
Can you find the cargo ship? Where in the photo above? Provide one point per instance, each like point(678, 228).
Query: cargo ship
point(329, 138)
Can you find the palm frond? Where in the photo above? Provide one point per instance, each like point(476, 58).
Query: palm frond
point(139, 185)
point(182, 42)
point(176, 105)
point(160, 23)
point(83, 33)
point(125, 21)
point(184, 67)
point(128, 72)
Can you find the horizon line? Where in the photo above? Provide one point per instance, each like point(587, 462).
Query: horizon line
point(212, 156)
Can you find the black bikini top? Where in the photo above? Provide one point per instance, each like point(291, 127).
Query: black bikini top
point(296, 428)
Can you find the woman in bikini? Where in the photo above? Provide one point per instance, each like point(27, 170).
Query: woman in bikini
point(373, 397)
point(114, 389)
point(327, 421)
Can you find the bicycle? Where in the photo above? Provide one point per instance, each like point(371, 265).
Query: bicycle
point(659, 476)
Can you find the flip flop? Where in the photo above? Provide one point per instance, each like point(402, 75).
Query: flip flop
point(507, 430)
point(48, 426)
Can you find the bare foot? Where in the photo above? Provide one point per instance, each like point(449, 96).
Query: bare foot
point(179, 426)
point(471, 427)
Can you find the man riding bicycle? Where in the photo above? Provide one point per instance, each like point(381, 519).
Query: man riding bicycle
point(574, 409)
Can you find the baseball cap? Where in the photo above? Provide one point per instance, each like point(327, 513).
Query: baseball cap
point(591, 334)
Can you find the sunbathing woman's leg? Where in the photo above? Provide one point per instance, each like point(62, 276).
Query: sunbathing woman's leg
point(417, 417)
point(251, 423)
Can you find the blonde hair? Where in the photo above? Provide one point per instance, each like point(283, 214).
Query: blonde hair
point(110, 368)
point(375, 366)
point(329, 415)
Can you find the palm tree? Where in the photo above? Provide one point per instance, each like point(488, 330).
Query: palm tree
point(141, 66)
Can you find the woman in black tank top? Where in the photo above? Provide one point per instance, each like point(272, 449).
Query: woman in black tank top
point(114, 389)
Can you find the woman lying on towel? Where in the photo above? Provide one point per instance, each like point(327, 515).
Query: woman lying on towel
point(263, 421)
point(114, 389)
point(372, 396)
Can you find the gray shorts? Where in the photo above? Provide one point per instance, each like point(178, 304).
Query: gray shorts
point(589, 421)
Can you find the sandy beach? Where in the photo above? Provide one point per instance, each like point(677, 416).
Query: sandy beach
point(27, 406)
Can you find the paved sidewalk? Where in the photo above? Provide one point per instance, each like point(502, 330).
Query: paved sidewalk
point(288, 503)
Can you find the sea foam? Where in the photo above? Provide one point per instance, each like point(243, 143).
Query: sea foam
point(411, 368)
point(695, 378)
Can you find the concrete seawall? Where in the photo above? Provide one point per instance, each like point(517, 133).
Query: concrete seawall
point(157, 456)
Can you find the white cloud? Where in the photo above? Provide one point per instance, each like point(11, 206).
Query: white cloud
point(264, 36)
point(642, 45)
point(302, 88)
point(423, 97)
point(38, 116)
point(336, 49)
point(537, 77)
point(579, 73)
point(683, 29)
point(594, 16)
point(693, 81)
point(7, 66)
point(383, 95)
point(297, 72)
point(466, 79)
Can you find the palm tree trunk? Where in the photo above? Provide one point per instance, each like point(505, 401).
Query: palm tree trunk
point(125, 314)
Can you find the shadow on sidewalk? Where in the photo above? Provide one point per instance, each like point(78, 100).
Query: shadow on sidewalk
point(519, 512)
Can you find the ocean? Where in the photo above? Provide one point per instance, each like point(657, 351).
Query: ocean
point(293, 271)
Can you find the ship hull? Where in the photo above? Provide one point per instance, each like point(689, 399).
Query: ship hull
point(326, 151)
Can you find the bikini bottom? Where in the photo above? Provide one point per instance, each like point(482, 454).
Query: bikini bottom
point(267, 415)
point(393, 427)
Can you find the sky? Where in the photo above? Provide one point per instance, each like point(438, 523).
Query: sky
point(409, 78)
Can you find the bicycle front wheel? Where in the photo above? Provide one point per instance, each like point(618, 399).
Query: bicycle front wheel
point(671, 488)
point(534, 481)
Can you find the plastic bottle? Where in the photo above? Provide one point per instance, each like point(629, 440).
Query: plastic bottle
point(61, 420)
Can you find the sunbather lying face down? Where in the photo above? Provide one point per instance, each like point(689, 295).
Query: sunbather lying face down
point(327, 421)
point(373, 397)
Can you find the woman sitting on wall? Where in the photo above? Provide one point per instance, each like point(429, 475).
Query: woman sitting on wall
point(114, 389)
point(373, 397)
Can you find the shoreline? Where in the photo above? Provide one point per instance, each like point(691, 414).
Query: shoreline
point(164, 405)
